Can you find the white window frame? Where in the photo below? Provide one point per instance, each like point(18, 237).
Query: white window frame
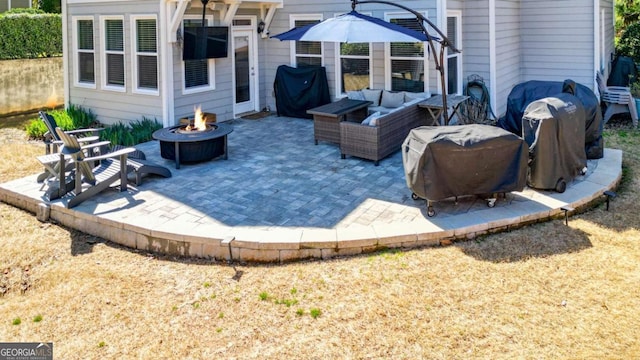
point(292, 22)
point(134, 55)
point(76, 51)
point(211, 63)
point(458, 15)
point(105, 52)
point(338, 64)
point(387, 50)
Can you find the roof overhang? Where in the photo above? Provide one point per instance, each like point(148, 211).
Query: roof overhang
point(227, 9)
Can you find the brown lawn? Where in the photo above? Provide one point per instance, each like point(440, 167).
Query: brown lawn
point(546, 291)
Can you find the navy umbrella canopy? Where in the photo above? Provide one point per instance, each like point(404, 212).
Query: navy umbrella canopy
point(354, 27)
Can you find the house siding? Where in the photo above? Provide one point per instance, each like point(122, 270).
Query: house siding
point(557, 40)
point(508, 51)
point(112, 106)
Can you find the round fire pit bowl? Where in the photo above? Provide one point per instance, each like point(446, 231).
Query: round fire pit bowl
point(193, 146)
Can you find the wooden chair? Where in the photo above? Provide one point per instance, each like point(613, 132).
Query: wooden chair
point(85, 179)
point(52, 140)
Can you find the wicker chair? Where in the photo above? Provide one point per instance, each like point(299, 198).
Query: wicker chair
point(377, 142)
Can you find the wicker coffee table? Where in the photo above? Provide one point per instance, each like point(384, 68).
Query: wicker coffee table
point(327, 118)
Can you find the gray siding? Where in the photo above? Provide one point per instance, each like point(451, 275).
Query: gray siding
point(111, 106)
point(557, 40)
point(508, 51)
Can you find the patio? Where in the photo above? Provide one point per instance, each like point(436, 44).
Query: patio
point(279, 197)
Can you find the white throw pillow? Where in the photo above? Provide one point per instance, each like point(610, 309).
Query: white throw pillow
point(372, 95)
point(367, 121)
point(392, 99)
point(408, 96)
point(355, 95)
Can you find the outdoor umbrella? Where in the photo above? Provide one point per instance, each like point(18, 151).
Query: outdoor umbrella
point(354, 27)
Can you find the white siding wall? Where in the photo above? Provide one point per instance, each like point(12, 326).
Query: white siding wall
point(508, 51)
point(557, 40)
point(111, 106)
point(609, 33)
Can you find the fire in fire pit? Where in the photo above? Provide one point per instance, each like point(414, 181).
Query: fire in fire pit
point(199, 122)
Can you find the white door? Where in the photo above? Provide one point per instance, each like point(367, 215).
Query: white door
point(244, 70)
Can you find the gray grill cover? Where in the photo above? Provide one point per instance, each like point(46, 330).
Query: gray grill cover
point(446, 161)
point(554, 129)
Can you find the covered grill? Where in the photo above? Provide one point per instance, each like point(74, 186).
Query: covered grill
point(554, 129)
point(450, 161)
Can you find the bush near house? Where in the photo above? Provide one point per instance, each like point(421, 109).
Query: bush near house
point(130, 134)
point(30, 34)
point(75, 117)
point(629, 44)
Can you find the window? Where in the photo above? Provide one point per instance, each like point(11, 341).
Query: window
point(405, 61)
point(306, 53)
point(113, 55)
point(454, 60)
point(145, 55)
point(85, 52)
point(198, 74)
point(355, 66)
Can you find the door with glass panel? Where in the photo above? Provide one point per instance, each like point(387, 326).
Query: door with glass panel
point(244, 71)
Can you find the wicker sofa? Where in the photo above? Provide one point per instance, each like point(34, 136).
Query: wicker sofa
point(385, 137)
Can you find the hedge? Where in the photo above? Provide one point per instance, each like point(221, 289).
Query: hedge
point(29, 36)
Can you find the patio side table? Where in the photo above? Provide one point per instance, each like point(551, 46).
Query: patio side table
point(327, 118)
point(434, 106)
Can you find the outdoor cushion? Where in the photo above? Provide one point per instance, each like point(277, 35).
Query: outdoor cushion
point(392, 99)
point(374, 120)
point(372, 95)
point(413, 102)
point(355, 95)
point(416, 95)
point(375, 115)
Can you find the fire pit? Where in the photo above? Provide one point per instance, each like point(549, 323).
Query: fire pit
point(193, 142)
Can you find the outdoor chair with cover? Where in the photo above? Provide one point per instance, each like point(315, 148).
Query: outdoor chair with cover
point(618, 100)
point(87, 180)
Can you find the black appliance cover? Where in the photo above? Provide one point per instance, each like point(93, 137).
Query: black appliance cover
point(300, 89)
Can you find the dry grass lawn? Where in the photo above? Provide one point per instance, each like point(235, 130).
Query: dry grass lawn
point(547, 291)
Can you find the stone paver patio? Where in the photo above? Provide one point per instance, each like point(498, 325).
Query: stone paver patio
point(279, 197)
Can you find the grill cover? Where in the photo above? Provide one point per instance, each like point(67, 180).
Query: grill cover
point(553, 128)
point(525, 93)
point(446, 161)
point(300, 89)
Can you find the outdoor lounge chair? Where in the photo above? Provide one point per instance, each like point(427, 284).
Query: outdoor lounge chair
point(85, 179)
point(617, 99)
point(52, 140)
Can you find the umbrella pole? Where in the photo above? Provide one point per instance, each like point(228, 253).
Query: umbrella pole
point(444, 43)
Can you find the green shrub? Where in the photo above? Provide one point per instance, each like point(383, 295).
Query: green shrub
point(136, 132)
point(75, 117)
point(27, 35)
point(629, 44)
point(23, 11)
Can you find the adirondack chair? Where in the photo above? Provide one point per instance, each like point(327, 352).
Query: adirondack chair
point(52, 142)
point(87, 180)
